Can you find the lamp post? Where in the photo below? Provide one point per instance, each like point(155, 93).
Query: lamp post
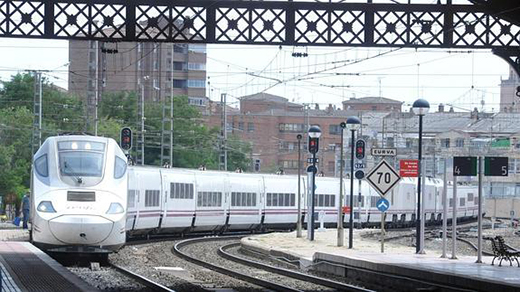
point(314, 139)
point(420, 108)
point(354, 123)
point(299, 222)
point(341, 230)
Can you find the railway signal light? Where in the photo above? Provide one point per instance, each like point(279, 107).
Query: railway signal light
point(126, 138)
point(314, 145)
point(360, 149)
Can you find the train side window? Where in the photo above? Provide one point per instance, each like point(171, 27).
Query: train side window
point(181, 191)
point(41, 166)
point(292, 200)
point(119, 168)
point(470, 197)
point(476, 201)
point(131, 198)
point(451, 202)
point(151, 198)
point(462, 202)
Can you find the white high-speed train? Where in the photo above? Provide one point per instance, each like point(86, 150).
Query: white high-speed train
point(85, 199)
point(79, 195)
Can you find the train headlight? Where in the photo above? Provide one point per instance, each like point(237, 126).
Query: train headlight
point(115, 208)
point(46, 206)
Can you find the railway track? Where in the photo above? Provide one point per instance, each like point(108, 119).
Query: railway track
point(152, 285)
point(271, 277)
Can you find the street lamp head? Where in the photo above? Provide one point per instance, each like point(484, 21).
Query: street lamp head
point(314, 132)
point(354, 123)
point(299, 136)
point(421, 107)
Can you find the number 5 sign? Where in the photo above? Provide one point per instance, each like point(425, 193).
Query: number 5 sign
point(383, 177)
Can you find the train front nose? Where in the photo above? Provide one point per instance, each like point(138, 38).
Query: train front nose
point(71, 229)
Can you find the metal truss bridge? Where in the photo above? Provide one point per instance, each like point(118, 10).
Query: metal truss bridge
point(489, 24)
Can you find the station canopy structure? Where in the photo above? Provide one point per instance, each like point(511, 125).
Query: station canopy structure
point(486, 24)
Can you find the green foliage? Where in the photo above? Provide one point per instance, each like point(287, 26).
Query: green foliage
point(193, 143)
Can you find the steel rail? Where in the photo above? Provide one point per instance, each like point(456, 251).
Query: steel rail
point(289, 273)
point(264, 283)
point(143, 280)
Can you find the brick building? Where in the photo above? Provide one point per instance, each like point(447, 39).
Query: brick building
point(371, 103)
point(509, 102)
point(271, 123)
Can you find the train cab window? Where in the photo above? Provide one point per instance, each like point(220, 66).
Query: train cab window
point(181, 191)
point(470, 197)
point(209, 199)
point(41, 166)
point(151, 198)
point(81, 158)
point(119, 168)
point(462, 202)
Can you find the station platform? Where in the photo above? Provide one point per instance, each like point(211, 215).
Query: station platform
point(323, 255)
point(26, 268)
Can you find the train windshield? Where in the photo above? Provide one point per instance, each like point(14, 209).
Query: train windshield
point(81, 163)
point(81, 159)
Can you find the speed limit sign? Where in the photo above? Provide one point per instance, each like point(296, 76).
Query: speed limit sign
point(383, 177)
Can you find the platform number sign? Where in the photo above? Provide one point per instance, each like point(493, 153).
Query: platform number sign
point(464, 166)
point(383, 177)
point(496, 166)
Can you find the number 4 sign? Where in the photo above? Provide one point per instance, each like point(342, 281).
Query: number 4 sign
point(383, 177)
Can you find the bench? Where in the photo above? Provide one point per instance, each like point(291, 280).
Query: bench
point(502, 251)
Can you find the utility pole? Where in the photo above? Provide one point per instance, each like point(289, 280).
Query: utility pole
point(37, 116)
point(92, 86)
point(223, 133)
point(167, 135)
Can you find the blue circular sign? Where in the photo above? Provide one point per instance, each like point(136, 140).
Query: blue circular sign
point(383, 205)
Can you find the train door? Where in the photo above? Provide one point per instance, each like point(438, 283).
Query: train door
point(180, 197)
point(149, 203)
point(280, 201)
point(210, 210)
point(132, 200)
point(243, 202)
point(326, 206)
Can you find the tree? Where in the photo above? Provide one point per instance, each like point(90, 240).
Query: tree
point(239, 153)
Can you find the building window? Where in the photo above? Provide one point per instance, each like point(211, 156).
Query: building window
point(459, 142)
point(334, 130)
point(374, 107)
point(284, 145)
point(180, 66)
point(331, 166)
point(196, 48)
point(445, 143)
point(292, 128)
point(177, 83)
point(390, 142)
point(241, 126)
point(197, 66)
point(290, 164)
point(196, 83)
point(250, 127)
point(197, 101)
point(180, 48)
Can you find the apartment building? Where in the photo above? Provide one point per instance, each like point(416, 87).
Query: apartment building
point(155, 70)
